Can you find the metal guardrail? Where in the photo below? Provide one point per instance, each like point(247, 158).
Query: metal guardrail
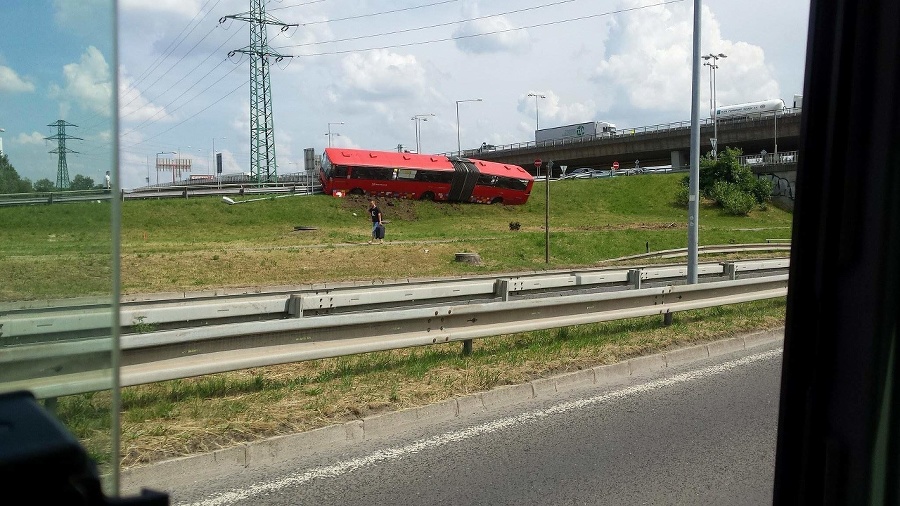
point(783, 158)
point(294, 184)
point(341, 322)
point(30, 323)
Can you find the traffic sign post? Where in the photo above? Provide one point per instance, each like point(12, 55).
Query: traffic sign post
point(537, 167)
point(547, 212)
point(615, 166)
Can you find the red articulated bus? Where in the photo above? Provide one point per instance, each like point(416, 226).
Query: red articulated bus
point(422, 177)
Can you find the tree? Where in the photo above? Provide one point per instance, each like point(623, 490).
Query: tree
point(730, 184)
point(80, 182)
point(10, 182)
point(44, 186)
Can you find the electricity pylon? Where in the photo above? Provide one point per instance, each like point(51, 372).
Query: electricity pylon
point(62, 171)
point(262, 129)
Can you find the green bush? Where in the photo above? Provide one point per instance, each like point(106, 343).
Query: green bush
point(762, 191)
point(682, 195)
point(729, 184)
point(733, 200)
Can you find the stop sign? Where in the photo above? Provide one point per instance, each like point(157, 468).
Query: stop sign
point(615, 165)
point(537, 163)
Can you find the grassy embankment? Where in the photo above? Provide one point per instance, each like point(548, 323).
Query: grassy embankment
point(202, 243)
point(198, 244)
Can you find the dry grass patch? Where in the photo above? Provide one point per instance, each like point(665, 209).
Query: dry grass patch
point(175, 418)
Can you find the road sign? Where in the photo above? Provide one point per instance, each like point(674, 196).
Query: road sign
point(537, 163)
point(615, 165)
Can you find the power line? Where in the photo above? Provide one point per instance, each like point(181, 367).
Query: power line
point(304, 4)
point(166, 108)
point(195, 114)
point(174, 44)
point(495, 32)
point(437, 25)
point(393, 11)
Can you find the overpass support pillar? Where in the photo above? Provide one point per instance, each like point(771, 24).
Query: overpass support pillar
point(679, 160)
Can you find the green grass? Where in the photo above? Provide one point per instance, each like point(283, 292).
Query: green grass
point(201, 243)
point(194, 244)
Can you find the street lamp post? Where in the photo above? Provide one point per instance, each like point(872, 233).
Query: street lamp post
point(329, 130)
point(712, 97)
point(458, 145)
point(1, 141)
point(329, 135)
point(417, 118)
point(537, 120)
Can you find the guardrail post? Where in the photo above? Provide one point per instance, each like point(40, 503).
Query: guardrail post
point(467, 347)
point(634, 278)
point(501, 289)
point(667, 318)
point(295, 306)
point(730, 270)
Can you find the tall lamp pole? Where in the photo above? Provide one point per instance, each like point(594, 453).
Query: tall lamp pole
point(537, 119)
point(1, 142)
point(417, 118)
point(329, 130)
point(712, 96)
point(694, 177)
point(458, 145)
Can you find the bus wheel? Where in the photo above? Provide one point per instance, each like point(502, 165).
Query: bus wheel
point(357, 191)
point(497, 200)
point(427, 196)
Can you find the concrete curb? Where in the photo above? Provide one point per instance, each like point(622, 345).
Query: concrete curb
point(167, 474)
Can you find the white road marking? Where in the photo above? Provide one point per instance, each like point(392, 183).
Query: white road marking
point(398, 452)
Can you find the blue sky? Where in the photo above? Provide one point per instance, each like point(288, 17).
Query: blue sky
point(55, 63)
point(622, 61)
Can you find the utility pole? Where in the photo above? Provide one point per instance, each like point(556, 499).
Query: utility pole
point(62, 171)
point(262, 128)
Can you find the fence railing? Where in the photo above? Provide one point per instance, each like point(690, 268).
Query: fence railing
point(184, 338)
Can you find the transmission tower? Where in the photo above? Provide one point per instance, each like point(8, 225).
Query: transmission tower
point(262, 128)
point(62, 171)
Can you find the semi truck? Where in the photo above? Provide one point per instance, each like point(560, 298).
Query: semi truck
point(577, 131)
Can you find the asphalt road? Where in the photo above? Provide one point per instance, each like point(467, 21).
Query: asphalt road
point(703, 434)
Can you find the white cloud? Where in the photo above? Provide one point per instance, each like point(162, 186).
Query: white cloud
point(186, 8)
point(499, 35)
point(33, 139)
point(133, 106)
point(648, 66)
point(11, 82)
point(553, 112)
point(88, 83)
point(380, 76)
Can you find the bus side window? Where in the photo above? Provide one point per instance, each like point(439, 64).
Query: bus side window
point(339, 171)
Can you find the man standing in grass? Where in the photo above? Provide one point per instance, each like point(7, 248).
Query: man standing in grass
point(375, 213)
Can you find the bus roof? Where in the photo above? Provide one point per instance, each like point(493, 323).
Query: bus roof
point(368, 158)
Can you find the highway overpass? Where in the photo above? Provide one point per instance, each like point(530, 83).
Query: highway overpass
point(667, 144)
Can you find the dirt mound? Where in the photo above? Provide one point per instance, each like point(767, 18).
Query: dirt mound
point(392, 208)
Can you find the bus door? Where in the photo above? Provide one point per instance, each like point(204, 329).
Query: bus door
point(465, 176)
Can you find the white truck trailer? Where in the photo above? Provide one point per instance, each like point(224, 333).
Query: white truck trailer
point(578, 131)
point(739, 110)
